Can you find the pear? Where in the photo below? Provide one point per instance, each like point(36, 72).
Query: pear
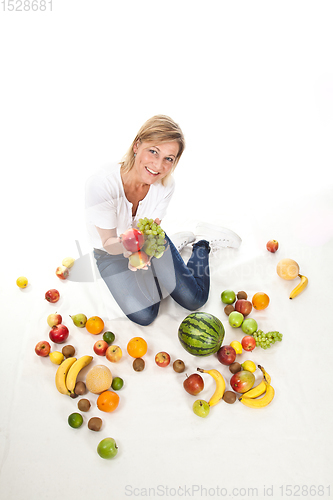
point(79, 320)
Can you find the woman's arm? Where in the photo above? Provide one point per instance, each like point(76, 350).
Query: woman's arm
point(111, 242)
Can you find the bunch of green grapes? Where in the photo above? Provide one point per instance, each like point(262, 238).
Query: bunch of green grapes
point(154, 234)
point(266, 340)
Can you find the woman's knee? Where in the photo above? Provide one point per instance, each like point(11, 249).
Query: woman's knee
point(144, 317)
point(194, 303)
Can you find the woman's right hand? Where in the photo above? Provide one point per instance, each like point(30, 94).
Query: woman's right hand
point(126, 253)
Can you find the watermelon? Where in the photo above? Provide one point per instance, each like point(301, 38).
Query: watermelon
point(201, 333)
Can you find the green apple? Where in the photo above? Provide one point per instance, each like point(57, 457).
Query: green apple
point(201, 408)
point(249, 326)
point(235, 319)
point(107, 448)
point(228, 297)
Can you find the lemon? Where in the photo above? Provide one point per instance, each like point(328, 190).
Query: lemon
point(68, 262)
point(249, 366)
point(56, 357)
point(22, 282)
point(237, 346)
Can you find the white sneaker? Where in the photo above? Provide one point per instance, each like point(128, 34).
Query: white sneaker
point(217, 236)
point(180, 240)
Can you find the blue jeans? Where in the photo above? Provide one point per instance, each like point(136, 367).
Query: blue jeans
point(139, 293)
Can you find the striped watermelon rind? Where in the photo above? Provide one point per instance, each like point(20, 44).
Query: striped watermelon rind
point(201, 333)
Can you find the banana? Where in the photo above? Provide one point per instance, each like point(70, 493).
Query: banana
point(60, 378)
point(300, 287)
point(265, 374)
point(259, 402)
point(220, 386)
point(260, 388)
point(74, 371)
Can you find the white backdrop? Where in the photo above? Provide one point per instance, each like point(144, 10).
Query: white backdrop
point(251, 85)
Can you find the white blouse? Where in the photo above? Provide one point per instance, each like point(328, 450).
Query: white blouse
point(107, 207)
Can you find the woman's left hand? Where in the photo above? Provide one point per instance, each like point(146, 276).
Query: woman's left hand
point(145, 268)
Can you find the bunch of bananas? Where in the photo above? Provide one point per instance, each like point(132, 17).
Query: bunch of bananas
point(67, 373)
point(251, 398)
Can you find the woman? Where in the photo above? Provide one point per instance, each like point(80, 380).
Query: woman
point(142, 186)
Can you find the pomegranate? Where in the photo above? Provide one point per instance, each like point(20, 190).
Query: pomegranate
point(133, 239)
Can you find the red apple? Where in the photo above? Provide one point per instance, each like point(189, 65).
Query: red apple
point(248, 343)
point(113, 353)
point(42, 348)
point(52, 295)
point(132, 239)
point(54, 319)
point(243, 306)
point(62, 272)
point(242, 381)
point(100, 347)
point(272, 246)
point(138, 259)
point(59, 334)
point(162, 359)
point(226, 355)
point(193, 384)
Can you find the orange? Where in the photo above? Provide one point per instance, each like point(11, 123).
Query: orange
point(107, 401)
point(95, 325)
point(137, 347)
point(98, 379)
point(260, 300)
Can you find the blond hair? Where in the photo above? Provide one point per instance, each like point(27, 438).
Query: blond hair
point(159, 129)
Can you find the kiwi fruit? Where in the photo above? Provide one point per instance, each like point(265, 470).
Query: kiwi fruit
point(95, 424)
point(229, 397)
point(241, 295)
point(84, 404)
point(179, 366)
point(229, 309)
point(235, 367)
point(80, 388)
point(138, 364)
point(68, 351)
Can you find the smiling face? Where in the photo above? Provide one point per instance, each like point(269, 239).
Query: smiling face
point(154, 161)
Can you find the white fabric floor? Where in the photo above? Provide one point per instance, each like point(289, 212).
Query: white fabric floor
point(163, 446)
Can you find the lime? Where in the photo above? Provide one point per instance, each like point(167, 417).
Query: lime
point(75, 420)
point(108, 337)
point(117, 383)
